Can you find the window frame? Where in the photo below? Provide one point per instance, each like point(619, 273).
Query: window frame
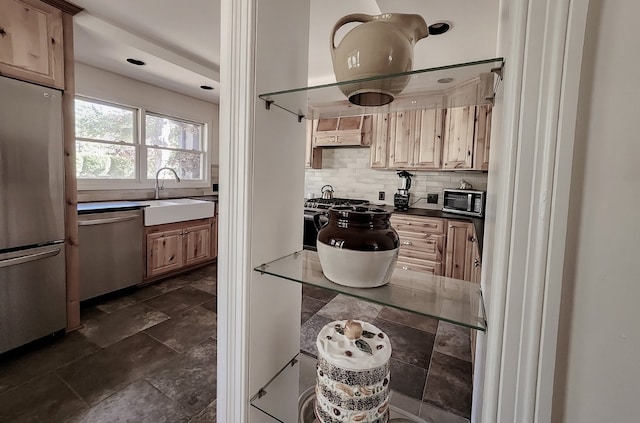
point(141, 181)
point(203, 144)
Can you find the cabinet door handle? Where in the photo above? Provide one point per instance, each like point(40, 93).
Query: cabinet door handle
point(407, 243)
point(476, 263)
point(185, 232)
point(408, 223)
point(406, 268)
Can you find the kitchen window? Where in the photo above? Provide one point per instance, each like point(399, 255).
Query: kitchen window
point(173, 143)
point(123, 147)
point(106, 141)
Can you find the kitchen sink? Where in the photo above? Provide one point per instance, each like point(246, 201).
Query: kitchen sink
point(160, 212)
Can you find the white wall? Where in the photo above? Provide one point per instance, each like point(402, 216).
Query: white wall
point(100, 84)
point(348, 171)
point(597, 366)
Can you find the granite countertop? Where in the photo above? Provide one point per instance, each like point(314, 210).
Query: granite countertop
point(108, 206)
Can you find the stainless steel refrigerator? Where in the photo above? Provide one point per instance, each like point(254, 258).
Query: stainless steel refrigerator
point(32, 264)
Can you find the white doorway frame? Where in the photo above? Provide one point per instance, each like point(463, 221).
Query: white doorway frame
point(540, 103)
point(544, 61)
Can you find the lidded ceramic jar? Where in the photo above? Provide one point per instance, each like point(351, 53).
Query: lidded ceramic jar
point(382, 45)
point(358, 247)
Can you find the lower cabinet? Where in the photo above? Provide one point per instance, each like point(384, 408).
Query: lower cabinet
point(459, 243)
point(172, 247)
point(438, 246)
point(422, 242)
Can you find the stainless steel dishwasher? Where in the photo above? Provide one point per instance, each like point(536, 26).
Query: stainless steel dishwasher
point(110, 251)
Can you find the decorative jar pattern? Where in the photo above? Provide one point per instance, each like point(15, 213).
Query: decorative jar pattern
point(358, 247)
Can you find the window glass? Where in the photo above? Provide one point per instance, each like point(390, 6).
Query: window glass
point(162, 131)
point(104, 122)
point(188, 165)
point(105, 161)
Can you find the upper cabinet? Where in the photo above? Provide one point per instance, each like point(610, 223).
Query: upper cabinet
point(459, 125)
point(31, 44)
point(342, 131)
point(379, 141)
point(313, 156)
point(432, 139)
point(428, 144)
point(482, 137)
point(415, 139)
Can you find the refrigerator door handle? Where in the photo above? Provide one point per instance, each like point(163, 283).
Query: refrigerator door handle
point(29, 257)
point(105, 221)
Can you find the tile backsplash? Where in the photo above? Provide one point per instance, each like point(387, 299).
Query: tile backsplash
point(347, 170)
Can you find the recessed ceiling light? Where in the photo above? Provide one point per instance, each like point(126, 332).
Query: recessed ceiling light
point(439, 28)
point(136, 62)
point(206, 87)
point(444, 80)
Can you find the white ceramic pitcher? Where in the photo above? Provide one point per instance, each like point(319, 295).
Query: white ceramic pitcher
point(382, 45)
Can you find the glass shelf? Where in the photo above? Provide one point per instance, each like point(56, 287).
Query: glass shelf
point(298, 377)
point(469, 84)
point(452, 300)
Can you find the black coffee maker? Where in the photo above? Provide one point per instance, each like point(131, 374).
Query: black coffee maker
point(401, 198)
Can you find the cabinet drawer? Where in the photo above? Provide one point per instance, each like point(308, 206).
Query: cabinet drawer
point(432, 268)
point(417, 224)
point(430, 248)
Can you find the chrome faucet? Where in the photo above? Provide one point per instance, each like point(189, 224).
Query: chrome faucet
point(158, 187)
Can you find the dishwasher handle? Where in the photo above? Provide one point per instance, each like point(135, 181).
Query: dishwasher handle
point(29, 257)
point(106, 220)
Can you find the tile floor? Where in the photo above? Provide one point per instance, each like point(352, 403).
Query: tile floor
point(149, 355)
point(430, 363)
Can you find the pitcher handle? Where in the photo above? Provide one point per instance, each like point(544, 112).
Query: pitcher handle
point(356, 17)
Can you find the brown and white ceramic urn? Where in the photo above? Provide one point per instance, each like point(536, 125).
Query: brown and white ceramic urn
point(358, 247)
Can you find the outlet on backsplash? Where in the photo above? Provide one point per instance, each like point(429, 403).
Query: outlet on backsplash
point(381, 195)
point(432, 198)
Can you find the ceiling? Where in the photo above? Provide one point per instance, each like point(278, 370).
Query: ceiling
point(181, 45)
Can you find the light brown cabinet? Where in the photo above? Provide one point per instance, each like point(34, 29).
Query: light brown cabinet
point(401, 139)
point(422, 243)
point(482, 137)
point(459, 250)
point(415, 139)
point(459, 124)
point(438, 246)
point(342, 131)
point(379, 141)
point(476, 261)
point(313, 156)
point(175, 246)
point(432, 139)
point(31, 42)
point(428, 145)
point(164, 252)
point(197, 241)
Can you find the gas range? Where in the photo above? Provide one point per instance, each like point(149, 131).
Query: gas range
point(324, 203)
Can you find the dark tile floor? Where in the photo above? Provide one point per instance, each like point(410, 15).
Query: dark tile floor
point(145, 355)
point(430, 363)
point(149, 355)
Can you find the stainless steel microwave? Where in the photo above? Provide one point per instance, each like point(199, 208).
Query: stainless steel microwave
point(464, 201)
